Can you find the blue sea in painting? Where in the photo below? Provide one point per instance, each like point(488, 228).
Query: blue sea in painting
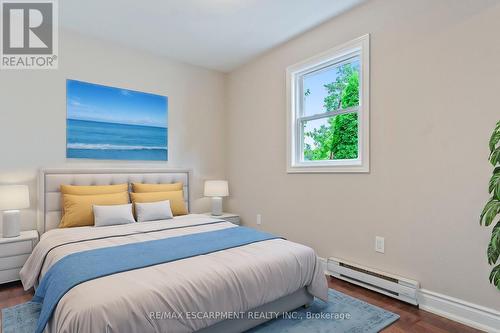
point(115, 124)
point(99, 140)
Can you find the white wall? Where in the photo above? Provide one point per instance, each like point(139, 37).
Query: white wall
point(435, 82)
point(33, 113)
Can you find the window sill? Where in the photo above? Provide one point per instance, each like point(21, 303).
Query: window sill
point(329, 169)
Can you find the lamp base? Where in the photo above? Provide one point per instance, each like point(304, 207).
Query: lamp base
point(11, 226)
point(216, 206)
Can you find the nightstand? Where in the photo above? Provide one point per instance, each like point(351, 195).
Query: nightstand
point(14, 252)
point(233, 218)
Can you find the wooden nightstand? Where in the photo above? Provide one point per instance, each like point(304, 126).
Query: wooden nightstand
point(14, 252)
point(233, 218)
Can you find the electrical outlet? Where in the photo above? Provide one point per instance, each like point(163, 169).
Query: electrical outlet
point(259, 219)
point(379, 244)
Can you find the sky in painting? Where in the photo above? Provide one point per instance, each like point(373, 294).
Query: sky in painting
point(93, 102)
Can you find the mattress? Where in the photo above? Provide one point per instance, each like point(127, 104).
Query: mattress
point(179, 296)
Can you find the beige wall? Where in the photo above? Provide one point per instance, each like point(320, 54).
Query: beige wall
point(33, 113)
point(435, 82)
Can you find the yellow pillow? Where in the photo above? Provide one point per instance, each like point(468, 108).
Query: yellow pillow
point(176, 198)
point(143, 188)
point(93, 189)
point(78, 208)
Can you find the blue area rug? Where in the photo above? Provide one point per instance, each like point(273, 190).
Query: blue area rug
point(342, 314)
point(21, 318)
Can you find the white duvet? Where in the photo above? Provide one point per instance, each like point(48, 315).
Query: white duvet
point(175, 296)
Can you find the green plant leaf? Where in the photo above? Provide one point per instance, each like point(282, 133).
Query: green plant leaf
point(495, 276)
point(495, 137)
point(494, 247)
point(494, 186)
point(495, 156)
point(490, 211)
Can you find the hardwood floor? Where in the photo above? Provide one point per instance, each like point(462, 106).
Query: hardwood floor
point(412, 319)
point(12, 294)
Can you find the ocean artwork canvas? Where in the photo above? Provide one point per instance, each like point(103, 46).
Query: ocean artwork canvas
point(115, 124)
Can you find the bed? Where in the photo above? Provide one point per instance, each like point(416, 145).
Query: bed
point(229, 290)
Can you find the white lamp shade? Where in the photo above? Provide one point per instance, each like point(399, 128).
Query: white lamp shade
point(14, 197)
point(216, 188)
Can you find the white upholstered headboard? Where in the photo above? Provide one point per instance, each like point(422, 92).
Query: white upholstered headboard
point(50, 180)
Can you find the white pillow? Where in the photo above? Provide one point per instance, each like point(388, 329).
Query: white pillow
point(152, 211)
point(113, 214)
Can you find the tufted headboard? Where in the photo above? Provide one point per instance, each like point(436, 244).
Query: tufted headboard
point(50, 180)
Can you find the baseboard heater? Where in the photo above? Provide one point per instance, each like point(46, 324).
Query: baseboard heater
point(384, 283)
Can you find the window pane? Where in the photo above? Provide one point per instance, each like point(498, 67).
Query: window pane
point(332, 138)
point(332, 88)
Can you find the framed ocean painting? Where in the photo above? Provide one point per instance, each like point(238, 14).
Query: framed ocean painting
point(115, 124)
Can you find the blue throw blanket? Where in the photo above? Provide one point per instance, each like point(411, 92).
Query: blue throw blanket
point(87, 265)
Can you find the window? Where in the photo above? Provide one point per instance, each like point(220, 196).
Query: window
point(328, 112)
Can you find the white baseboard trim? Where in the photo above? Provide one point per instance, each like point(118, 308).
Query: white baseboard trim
point(469, 314)
point(455, 309)
point(323, 262)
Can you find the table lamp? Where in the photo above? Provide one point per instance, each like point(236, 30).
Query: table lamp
point(13, 198)
point(216, 189)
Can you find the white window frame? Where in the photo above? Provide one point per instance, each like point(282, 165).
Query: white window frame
point(295, 145)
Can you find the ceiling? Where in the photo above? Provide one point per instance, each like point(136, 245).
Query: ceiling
point(216, 34)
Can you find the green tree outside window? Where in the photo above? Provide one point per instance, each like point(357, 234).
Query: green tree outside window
point(338, 139)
